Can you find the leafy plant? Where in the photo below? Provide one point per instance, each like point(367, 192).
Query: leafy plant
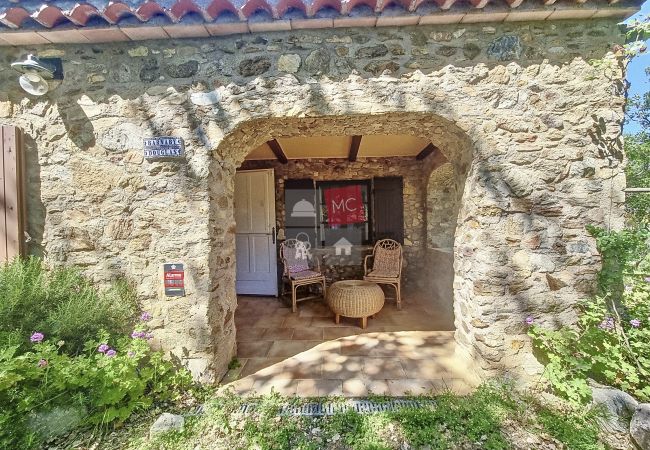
point(110, 380)
point(609, 343)
point(61, 303)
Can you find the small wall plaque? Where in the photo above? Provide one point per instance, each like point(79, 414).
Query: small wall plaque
point(166, 147)
point(174, 280)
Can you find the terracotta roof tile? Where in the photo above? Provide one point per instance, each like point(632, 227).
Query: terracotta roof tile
point(53, 14)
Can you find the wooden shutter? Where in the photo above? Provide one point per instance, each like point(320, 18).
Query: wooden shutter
point(298, 224)
point(388, 208)
point(12, 215)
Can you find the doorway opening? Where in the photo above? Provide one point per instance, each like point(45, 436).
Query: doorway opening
point(390, 178)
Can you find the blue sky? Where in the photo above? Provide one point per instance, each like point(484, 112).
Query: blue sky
point(636, 71)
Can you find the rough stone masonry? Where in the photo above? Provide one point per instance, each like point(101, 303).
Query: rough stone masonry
point(530, 130)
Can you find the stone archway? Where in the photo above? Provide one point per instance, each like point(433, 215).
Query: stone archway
point(453, 167)
point(507, 227)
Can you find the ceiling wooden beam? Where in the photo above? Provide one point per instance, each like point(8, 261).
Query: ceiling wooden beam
point(354, 148)
point(426, 151)
point(276, 148)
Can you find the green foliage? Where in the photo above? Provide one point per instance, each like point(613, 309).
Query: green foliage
point(61, 303)
point(487, 419)
point(108, 388)
point(637, 172)
point(609, 343)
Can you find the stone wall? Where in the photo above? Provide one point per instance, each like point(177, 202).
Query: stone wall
point(528, 126)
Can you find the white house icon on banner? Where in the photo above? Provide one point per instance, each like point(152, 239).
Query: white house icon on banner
point(343, 247)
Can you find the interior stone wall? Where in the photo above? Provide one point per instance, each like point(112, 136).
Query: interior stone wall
point(415, 178)
point(530, 129)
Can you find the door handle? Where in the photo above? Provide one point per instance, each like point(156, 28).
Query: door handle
point(273, 234)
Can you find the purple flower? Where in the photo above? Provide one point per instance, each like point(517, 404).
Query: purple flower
point(607, 324)
point(146, 317)
point(131, 354)
point(37, 337)
point(103, 348)
point(138, 334)
point(529, 320)
point(647, 279)
point(110, 353)
point(636, 323)
point(42, 363)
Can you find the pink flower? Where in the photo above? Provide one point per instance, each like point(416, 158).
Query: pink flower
point(37, 337)
point(103, 348)
point(636, 323)
point(146, 317)
point(42, 363)
point(529, 320)
point(138, 334)
point(607, 324)
point(110, 353)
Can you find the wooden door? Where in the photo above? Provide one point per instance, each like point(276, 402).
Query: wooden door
point(12, 215)
point(257, 272)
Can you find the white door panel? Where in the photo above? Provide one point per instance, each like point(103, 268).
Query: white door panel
point(255, 240)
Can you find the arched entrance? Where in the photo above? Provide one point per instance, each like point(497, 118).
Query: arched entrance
point(429, 249)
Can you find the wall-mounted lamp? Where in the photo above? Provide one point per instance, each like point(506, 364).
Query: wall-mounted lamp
point(35, 73)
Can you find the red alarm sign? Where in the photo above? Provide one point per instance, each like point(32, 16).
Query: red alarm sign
point(174, 280)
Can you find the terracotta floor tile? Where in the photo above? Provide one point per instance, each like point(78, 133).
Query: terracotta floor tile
point(290, 348)
point(314, 308)
point(383, 368)
point(432, 368)
point(295, 321)
point(253, 349)
point(340, 367)
point(319, 388)
point(295, 369)
point(457, 386)
point(410, 387)
point(307, 334)
point(269, 321)
point(241, 387)
point(278, 334)
point(233, 374)
point(282, 386)
point(254, 365)
point(324, 322)
point(249, 334)
point(338, 332)
point(362, 387)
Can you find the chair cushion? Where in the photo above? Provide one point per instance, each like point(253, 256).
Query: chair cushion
point(384, 273)
point(387, 261)
point(295, 263)
point(304, 274)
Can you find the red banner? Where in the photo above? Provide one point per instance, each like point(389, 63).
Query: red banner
point(344, 205)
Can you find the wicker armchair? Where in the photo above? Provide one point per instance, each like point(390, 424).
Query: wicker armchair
point(386, 266)
point(297, 271)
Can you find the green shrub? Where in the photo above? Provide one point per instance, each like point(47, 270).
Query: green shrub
point(610, 342)
point(107, 382)
point(61, 303)
point(637, 172)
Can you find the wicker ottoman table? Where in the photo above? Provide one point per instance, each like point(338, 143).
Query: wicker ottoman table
point(356, 299)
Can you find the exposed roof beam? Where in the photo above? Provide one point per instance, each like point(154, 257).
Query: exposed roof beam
point(354, 148)
point(426, 151)
point(277, 151)
point(437, 160)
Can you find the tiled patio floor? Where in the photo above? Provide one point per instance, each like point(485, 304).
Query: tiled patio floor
point(307, 354)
